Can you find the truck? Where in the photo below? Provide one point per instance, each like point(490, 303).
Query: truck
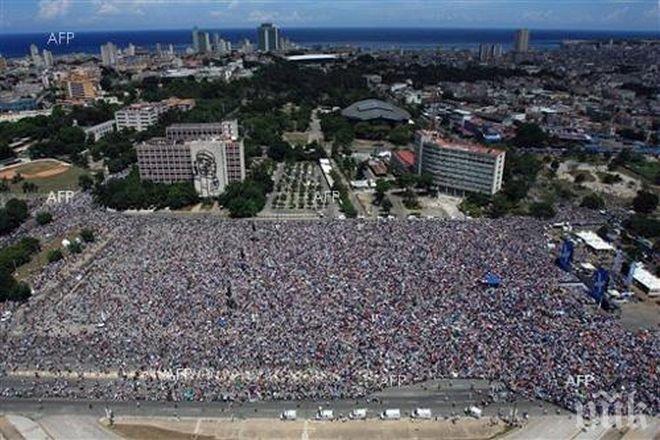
point(288, 414)
point(324, 414)
point(391, 414)
point(358, 414)
point(421, 413)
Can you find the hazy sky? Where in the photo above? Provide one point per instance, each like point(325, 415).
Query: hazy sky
point(63, 15)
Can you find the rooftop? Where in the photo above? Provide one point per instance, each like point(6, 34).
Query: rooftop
point(594, 241)
point(370, 109)
point(405, 156)
point(452, 144)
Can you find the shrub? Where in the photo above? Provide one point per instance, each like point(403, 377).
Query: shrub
point(43, 218)
point(55, 255)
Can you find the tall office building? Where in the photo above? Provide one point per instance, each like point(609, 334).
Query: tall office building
point(34, 54)
point(489, 52)
point(268, 37)
point(522, 40)
point(109, 54)
point(48, 58)
point(459, 167)
point(130, 50)
point(204, 42)
point(195, 38)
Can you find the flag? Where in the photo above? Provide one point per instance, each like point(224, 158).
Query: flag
point(566, 255)
point(599, 284)
point(631, 273)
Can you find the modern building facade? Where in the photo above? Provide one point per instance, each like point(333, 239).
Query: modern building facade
point(268, 38)
point(522, 40)
point(458, 167)
point(210, 155)
point(164, 161)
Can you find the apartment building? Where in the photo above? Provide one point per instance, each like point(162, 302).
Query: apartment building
point(459, 167)
point(142, 115)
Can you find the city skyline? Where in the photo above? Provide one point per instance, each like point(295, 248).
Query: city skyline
point(111, 15)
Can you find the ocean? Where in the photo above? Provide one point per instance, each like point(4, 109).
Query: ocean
point(18, 45)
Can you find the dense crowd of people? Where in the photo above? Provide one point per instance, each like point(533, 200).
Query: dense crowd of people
point(208, 309)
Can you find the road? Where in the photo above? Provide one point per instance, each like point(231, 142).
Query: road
point(444, 397)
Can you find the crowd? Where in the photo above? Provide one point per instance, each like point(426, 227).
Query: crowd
point(208, 309)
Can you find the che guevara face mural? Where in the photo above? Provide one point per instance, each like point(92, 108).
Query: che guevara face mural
point(206, 170)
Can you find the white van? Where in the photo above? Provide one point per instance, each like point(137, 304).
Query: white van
point(358, 414)
point(288, 414)
point(391, 414)
point(422, 413)
point(474, 411)
point(324, 414)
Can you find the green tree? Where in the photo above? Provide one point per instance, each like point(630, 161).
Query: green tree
point(87, 235)
point(44, 217)
point(530, 135)
point(75, 247)
point(85, 182)
point(593, 201)
point(543, 210)
point(382, 186)
point(645, 226)
point(54, 255)
point(30, 187)
point(386, 205)
point(645, 202)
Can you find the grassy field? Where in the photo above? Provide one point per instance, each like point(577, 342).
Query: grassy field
point(647, 169)
point(40, 260)
point(67, 180)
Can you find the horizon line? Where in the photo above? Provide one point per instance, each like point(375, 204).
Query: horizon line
point(640, 31)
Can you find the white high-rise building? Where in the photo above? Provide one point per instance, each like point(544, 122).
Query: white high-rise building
point(458, 167)
point(34, 54)
point(48, 58)
point(109, 54)
point(195, 38)
point(139, 116)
